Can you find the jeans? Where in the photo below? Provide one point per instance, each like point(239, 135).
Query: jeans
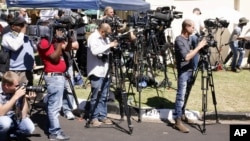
point(55, 89)
point(24, 126)
point(238, 53)
point(183, 79)
point(194, 42)
point(99, 90)
point(68, 99)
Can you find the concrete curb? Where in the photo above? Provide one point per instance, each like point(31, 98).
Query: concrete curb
point(113, 108)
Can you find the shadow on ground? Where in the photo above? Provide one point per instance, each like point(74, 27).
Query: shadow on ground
point(159, 103)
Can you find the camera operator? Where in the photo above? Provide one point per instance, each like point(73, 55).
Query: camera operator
point(55, 67)
point(97, 69)
point(14, 107)
point(234, 45)
point(113, 20)
point(21, 48)
point(68, 99)
point(198, 27)
point(184, 56)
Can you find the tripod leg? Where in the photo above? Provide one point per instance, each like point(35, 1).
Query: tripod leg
point(153, 76)
point(211, 84)
point(39, 84)
point(124, 108)
point(165, 81)
point(204, 88)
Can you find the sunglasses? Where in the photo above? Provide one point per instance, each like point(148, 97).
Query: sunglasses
point(21, 25)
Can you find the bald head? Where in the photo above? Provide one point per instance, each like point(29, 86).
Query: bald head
point(105, 27)
point(187, 26)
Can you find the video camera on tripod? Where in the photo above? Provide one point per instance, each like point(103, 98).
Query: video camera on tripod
point(210, 25)
point(115, 22)
point(123, 40)
point(160, 16)
point(66, 24)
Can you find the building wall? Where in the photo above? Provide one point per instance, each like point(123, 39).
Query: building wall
point(211, 9)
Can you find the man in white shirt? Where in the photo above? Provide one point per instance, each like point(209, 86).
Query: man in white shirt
point(97, 70)
point(198, 27)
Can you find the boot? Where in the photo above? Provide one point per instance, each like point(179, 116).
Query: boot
point(185, 119)
point(179, 126)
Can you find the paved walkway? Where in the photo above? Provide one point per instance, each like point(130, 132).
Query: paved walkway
point(147, 130)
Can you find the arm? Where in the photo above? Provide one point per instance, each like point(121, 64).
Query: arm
point(192, 53)
point(72, 41)
point(9, 105)
point(56, 55)
point(14, 43)
point(97, 47)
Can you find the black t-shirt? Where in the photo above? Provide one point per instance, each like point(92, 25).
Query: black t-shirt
point(182, 48)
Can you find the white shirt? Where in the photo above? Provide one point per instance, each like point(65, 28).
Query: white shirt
point(12, 40)
point(198, 23)
point(3, 23)
point(97, 45)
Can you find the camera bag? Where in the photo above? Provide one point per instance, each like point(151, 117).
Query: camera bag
point(4, 60)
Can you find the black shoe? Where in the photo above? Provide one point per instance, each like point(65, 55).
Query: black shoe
point(60, 137)
point(239, 68)
point(235, 70)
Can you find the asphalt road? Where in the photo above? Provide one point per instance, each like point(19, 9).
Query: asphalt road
point(143, 131)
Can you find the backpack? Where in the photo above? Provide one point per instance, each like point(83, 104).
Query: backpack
point(4, 60)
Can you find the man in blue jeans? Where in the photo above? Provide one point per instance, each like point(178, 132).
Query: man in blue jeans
point(184, 56)
point(194, 38)
point(54, 76)
point(238, 52)
point(97, 69)
point(14, 107)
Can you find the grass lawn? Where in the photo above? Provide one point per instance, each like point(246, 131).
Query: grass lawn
point(231, 92)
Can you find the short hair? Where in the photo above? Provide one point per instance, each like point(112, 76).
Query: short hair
point(9, 77)
point(104, 26)
point(185, 23)
point(106, 9)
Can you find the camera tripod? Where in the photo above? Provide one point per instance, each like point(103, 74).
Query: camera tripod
point(40, 82)
point(142, 63)
point(167, 52)
point(119, 90)
point(206, 80)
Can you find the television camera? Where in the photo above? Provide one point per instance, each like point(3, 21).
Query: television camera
point(211, 25)
point(66, 24)
point(115, 22)
point(124, 44)
point(161, 16)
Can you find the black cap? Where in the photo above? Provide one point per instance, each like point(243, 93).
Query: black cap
point(196, 9)
point(17, 21)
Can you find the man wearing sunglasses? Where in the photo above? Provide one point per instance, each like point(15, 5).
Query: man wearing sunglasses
point(21, 49)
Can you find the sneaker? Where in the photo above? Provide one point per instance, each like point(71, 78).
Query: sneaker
point(69, 115)
point(95, 123)
point(61, 137)
point(106, 121)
